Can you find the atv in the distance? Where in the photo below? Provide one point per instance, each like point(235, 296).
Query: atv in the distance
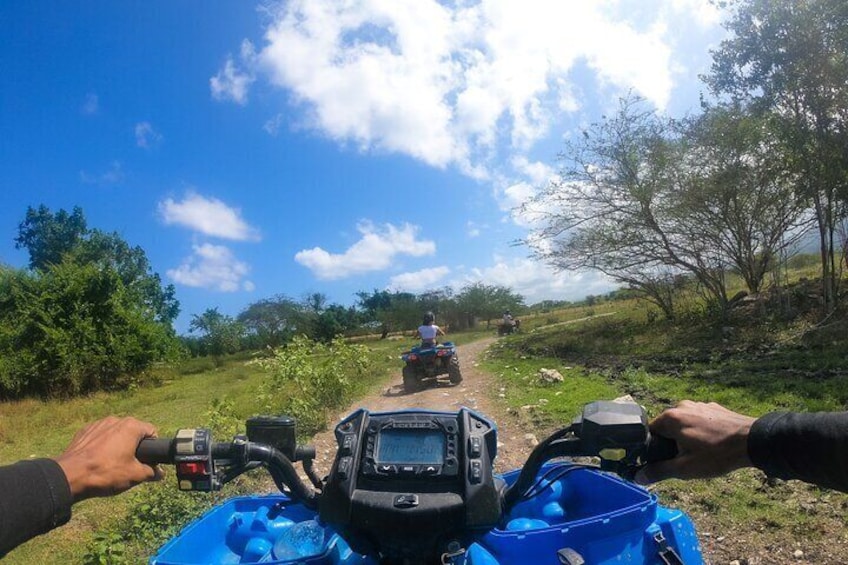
point(507, 329)
point(427, 362)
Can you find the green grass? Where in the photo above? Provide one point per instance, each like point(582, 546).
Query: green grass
point(38, 428)
point(750, 363)
point(33, 428)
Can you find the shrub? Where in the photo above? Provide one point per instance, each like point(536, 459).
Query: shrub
point(322, 374)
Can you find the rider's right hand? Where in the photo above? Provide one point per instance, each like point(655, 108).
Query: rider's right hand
point(711, 441)
point(100, 461)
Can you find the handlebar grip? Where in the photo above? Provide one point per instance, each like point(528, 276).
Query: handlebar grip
point(660, 448)
point(154, 450)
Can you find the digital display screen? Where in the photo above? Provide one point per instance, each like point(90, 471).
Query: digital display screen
point(411, 446)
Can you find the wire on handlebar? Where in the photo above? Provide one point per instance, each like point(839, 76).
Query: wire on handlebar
point(283, 472)
point(557, 445)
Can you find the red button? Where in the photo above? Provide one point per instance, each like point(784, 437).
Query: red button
point(192, 468)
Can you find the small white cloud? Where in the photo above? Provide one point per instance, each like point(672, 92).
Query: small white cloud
point(273, 125)
point(145, 136)
point(113, 176)
point(373, 252)
point(231, 82)
point(473, 229)
point(248, 286)
point(208, 216)
point(213, 267)
point(419, 280)
point(91, 105)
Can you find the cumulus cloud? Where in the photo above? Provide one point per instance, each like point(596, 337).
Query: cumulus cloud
point(536, 281)
point(233, 81)
point(208, 216)
point(213, 267)
point(374, 251)
point(453, 84)
point(418, 280)
point(146, 136)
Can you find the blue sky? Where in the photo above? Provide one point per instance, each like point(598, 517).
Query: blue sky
point(318, 146)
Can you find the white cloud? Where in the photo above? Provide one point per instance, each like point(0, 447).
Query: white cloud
point(91, 105)
point(114, 175)
point(536, 281)
point(208, 216)
point(373, 252)
point(456, 84)
point(214, 267)
point(418, 280)
point(232, 83)
point(473, 229)
point(145, 136)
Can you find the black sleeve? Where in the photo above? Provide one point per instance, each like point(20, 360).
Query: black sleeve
point(810, 447)
point(34, 498)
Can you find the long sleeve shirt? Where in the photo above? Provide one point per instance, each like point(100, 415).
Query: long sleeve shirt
point(811, 447)
point(34, 498)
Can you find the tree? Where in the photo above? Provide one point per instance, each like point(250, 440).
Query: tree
point(479, 300)
point(274, 320)
point(739, 195)
point(221, 334)
point(73, 329)
point(53, 238)
point(49, 236)
point(616, 208)
point(392, 310)
point(789, 60)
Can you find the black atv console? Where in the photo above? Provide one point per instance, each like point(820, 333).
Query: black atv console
point(411, 477)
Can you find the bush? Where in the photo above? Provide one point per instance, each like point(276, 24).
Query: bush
point(323, 375)
point(74, 329)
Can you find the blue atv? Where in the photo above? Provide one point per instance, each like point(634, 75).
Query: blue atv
point(415, 487)
point(425, 363)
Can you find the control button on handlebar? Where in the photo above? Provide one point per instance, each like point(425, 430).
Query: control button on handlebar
point(475, 446)
point(347, 444)
point(408, 469)
point(387, 469)
point(343, 469)
point(475, 475)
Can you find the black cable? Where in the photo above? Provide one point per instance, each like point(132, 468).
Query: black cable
point(559, 471)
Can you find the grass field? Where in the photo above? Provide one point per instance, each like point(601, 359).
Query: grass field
point(749, 364)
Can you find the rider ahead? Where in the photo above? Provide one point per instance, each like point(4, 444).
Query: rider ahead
point(428, 330)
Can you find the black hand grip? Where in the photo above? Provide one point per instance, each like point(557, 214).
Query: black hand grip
point(660, 448)
point(153, 451)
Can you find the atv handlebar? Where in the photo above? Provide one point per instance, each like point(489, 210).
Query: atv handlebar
point(617, 433)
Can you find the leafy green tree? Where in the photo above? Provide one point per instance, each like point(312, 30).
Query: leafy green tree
point(220, 333)
point(88, 315)
point(737, 191)
point(479, 300)
point(274, 320)
point(789, 60)
point(394, 310)
point(73, 329)
point(49, 236)
point(52, 238)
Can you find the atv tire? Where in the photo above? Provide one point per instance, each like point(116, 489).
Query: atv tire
point(454, 372)
point(410, 380)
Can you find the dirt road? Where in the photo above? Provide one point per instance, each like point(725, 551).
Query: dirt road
point(474, 392)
